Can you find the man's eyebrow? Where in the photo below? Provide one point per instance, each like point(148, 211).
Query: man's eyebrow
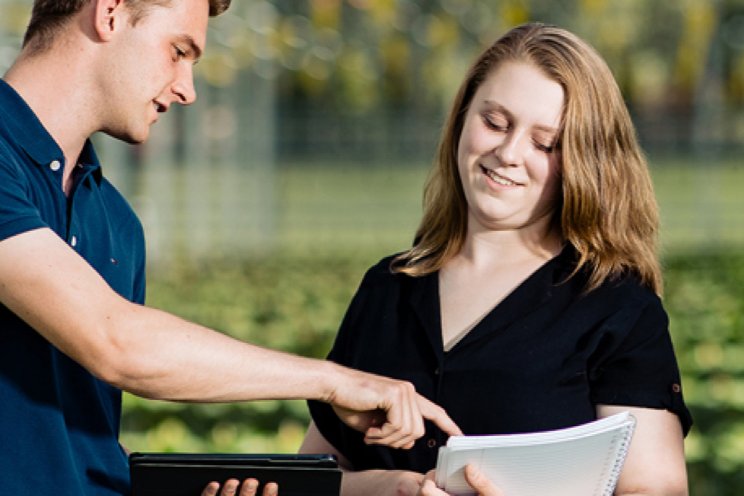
point(195, 50)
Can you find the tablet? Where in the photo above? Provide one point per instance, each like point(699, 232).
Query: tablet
point(182, 474)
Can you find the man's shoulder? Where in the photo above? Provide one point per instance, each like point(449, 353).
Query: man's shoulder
point(12, 156)
point(8, 142)
point(12, 109)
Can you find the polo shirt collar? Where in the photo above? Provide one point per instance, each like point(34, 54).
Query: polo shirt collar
point(31, 135)
point(88, 160)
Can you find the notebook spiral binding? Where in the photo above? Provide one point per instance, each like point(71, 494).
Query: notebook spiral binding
point(624, 444)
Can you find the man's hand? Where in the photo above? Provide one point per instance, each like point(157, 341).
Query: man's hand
point(388, 411)
point(248, 488)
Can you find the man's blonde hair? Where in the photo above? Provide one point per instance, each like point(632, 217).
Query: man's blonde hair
point(48, 16)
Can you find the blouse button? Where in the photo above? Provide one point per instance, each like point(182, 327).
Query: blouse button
point(55, 165)
point(431, 443)
point(73, 241)
point(676, 388)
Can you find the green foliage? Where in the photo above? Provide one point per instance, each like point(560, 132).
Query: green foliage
point(295, 303)
point(705, 300)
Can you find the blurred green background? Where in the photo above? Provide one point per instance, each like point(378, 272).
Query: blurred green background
point(303, 160)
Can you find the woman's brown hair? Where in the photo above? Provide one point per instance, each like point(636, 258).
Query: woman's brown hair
point(607, 211)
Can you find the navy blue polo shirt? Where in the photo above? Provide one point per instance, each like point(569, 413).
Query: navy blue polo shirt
point(59, 425)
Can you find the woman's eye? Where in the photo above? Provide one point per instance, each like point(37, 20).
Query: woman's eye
point(495, 123)
point(547, 148)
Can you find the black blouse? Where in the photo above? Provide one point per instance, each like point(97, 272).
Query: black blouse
point(542, 359)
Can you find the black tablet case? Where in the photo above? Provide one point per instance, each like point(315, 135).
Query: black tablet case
point(181, 474)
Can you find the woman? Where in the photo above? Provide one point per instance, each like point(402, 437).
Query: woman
point(529, 300)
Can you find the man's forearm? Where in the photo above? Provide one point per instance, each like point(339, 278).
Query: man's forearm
point(157, 355)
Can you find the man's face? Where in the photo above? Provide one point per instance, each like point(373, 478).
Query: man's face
point(150, 66)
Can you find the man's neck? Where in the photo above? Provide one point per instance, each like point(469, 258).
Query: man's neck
point(50, 84)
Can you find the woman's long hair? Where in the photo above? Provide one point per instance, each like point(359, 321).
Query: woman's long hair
point(607, 210)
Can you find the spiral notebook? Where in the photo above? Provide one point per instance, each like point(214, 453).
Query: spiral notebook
point(577, 461)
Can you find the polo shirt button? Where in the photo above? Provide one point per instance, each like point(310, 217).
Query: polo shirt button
point(73, 241)
point(431, 442)
point(436, 371)
point(55, 165)
point(676, 388)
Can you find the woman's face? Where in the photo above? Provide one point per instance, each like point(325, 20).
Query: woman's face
point(507, 156)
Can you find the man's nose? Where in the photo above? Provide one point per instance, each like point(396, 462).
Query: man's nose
point(183, 87)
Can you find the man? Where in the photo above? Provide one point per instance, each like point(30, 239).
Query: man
point(73, 328)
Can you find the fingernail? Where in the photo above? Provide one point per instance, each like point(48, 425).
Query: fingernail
point(211, 489)
point(230, 487)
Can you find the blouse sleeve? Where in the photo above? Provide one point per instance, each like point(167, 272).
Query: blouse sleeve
point(636, 366)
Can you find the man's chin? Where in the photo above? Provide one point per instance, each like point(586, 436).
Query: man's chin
point(136, 141)
point(131, 138)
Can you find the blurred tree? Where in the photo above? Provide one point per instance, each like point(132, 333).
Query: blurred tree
point(368, 57)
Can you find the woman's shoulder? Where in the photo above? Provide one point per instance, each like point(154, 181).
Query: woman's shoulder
point(628, 287)
point(620, 288)
point(624, 299)
point(383, 270)
point(382, 278)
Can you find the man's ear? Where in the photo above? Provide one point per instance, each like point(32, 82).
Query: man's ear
point(109, 16)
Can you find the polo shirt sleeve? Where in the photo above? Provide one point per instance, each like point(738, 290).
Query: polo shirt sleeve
point(636, 364)
point(18, 214)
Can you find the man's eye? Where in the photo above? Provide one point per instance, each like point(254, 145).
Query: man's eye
point(179, 53)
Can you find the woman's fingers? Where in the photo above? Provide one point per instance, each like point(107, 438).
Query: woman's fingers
point(480, 482)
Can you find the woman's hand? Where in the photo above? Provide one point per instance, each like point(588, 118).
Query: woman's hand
point(248, 488)
point(473, 476)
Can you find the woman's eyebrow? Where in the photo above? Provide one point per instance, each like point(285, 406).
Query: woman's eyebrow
point(538, 127)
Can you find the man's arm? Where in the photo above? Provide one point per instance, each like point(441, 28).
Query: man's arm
point(158, 355)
